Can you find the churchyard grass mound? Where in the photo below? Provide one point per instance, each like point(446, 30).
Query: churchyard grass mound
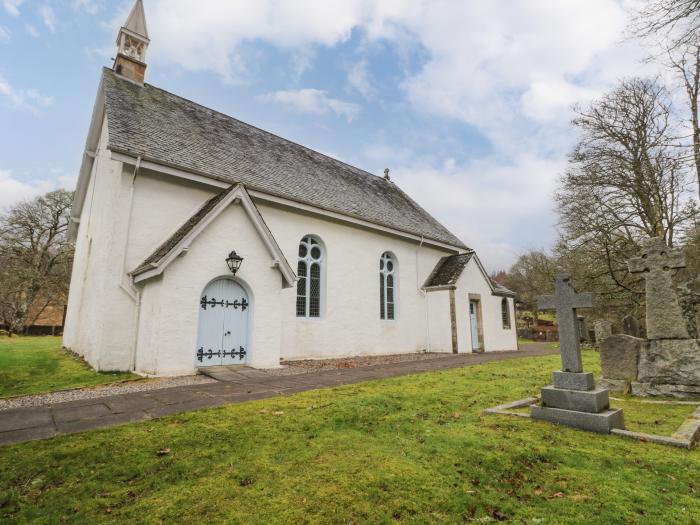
point(34, 365)
point(412, 449)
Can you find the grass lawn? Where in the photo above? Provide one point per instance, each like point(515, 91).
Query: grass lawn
point(524, 342)
point(415, 449)
point(34, 365)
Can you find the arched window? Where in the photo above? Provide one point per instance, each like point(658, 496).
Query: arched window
point(505, 314)
point(309, 272)
point(388, 274)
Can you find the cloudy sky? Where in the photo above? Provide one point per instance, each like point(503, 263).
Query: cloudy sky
point(466, 101)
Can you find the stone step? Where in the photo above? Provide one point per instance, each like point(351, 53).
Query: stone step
point(602, 423)
point(573, 380)
point(593, 401)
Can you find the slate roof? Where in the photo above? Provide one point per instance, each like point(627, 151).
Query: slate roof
point(448, 269)
point(165, 248)
point(499, 289)
point(167, 129)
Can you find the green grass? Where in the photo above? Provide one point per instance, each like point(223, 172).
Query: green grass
point(415, 449)
point(524, 342)
point(34, 365)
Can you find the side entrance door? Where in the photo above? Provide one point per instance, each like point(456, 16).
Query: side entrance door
point(474, 322)
point(222, 338)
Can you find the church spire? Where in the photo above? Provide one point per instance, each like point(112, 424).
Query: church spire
point(132, 43)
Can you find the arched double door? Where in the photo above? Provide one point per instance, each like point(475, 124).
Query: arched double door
point(222, 338)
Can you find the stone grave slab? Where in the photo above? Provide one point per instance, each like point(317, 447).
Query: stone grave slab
point(619, 357)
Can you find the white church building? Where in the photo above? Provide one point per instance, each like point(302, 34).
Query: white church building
point(202, 240)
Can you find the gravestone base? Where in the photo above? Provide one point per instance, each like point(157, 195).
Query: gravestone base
point(573, 400)
point(573, 380)
point(670, 362)
point(593, 401)
point(602, 422)
point(678, 391)
point(616, 385)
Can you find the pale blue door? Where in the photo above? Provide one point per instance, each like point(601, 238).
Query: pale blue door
point(474, 321)
point(223, 324)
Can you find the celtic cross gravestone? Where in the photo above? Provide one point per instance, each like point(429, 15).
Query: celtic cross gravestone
point(664, 315)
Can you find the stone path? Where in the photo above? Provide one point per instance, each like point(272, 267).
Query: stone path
point(26, 424)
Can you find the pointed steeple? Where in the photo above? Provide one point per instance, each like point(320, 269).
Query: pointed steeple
point(136, 23)
point(132, 43)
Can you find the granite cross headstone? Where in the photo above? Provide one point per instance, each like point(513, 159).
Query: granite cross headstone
point(664, 315)
point(573, 399)
point(565, 301)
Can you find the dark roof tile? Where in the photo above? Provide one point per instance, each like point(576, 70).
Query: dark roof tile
point(448, 269)
point(165, 128)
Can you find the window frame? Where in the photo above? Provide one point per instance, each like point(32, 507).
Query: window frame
point(310, 242)
point(505, 314)
point(384, 273)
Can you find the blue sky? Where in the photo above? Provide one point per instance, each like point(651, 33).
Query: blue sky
point(468, 103)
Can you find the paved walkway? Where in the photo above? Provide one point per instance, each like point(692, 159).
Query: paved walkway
point(26, 424)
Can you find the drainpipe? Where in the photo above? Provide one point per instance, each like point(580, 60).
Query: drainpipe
point(132, 288)
point(425, 298)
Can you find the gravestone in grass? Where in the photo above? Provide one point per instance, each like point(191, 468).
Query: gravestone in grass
point(664, 314)
point(573, 399)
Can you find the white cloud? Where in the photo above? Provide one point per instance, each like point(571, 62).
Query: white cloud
point(13, 190)
point(509, 71)
point(89, 6)
point(48, 16)
point(488, 203)
point(314, 101)
point(29, 100)
point(4, 35)
point(12, 6)
point(32, 31)
point(358, 78)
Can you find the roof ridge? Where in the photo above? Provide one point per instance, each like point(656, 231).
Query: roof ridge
point(217, 112)
point(159, 125)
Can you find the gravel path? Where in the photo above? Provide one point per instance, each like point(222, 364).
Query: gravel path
point(78, 394)
point(308, 366)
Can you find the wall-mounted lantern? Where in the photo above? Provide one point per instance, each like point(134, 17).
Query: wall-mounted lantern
point(234, 262)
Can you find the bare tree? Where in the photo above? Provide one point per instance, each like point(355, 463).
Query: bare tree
point(684, 60)
point(35, 258)
point(531, 276)
point(678, 21)
point(626, 181)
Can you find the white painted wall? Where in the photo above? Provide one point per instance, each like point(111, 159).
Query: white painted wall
point(350, 323)
point(100, 321)
point(170, 303)
point(153, 222)
point(496, 338)
point(125, 219)
point(440, 322)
